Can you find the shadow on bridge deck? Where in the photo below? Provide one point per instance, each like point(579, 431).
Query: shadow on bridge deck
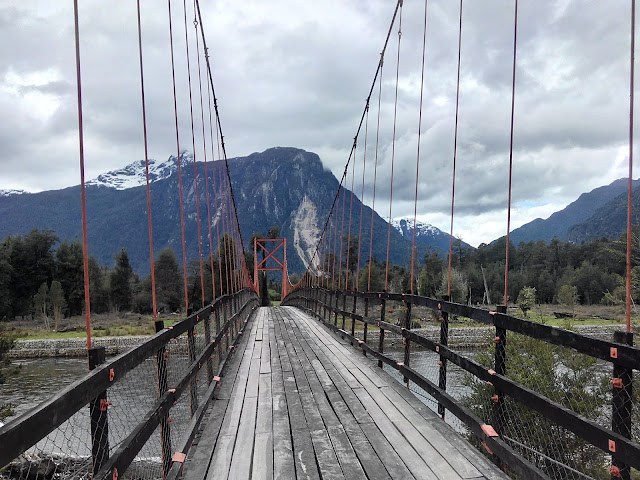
point(300, 403)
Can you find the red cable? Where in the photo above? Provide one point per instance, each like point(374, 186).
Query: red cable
point(455, 154)
point(206, 172)
point(335, 241)
point(193, 143)
point(364, 169)
point(630, 193)
point(513, 98)
point(375, 174)
point(146, 166)
point(353, 176)
point(415, 201)
point(344, 198)
point(85, 255)
point(393, 153)
point(175, 109)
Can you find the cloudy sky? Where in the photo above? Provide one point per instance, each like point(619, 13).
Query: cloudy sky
point(297, 73)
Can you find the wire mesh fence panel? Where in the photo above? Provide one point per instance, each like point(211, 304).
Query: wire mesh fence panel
point(130, 399)
point(64, 453)
point(147, 464)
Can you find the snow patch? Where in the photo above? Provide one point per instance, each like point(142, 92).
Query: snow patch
point(10, 192)
point(404, 225)
point(134, 174)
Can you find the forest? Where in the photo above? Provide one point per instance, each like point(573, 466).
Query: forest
point(41, 276)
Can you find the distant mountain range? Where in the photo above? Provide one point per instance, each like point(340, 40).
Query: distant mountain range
point(598, 213)
point(281, 186)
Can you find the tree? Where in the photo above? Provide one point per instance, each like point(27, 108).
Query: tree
point(6, 272)
point(69, 272)
point(41, 303)
point(6, 344)
point(377, 278)
point(56, 299)
point(568, 295)
point(274, 232)
point(120, 282)
point(168, 281)
point(526, 299)
point(459, 285)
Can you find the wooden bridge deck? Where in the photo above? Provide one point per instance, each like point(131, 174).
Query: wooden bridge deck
point(300, 403)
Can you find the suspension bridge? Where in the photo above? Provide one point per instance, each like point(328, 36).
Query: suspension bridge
point(336, 382)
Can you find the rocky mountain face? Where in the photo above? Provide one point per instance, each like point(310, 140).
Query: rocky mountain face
point(561, 224)
point(287, 187)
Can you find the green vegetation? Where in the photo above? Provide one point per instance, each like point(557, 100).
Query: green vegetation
point(6, 344)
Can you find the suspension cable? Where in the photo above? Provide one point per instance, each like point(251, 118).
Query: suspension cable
point(364, 169)
point(415, 201)
point(393, 154)
point(513, 99)
point(204, 150)
point(630, 193)
point(178, 159)
point(146, 167)
point(85, 254)
point(375, 175)
point(455, 155)
point(193, 143)
point(353, 175)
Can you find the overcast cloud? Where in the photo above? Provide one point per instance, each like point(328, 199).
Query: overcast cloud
point(297, 72)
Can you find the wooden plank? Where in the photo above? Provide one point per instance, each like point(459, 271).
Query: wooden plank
point(456, 459)
point(387, 454)
point(262, 468)
point(221, 460)
point(304, 455)
point(283, 462)
point(240, 466)
point(416, 465)
point(346, 454)
point(264, 419)
point(326, 457)
point(199, 458)
point(253, 378)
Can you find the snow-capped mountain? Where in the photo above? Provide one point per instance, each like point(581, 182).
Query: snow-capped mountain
point(8, 193)
point(425, 233)
point(134, 175)
point(405, 227)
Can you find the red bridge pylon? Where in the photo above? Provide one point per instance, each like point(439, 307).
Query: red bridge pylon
point(270, 246)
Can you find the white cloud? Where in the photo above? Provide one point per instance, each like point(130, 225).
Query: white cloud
point(297, 73)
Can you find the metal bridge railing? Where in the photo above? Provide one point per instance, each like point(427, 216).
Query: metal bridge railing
point(541, 401)
point(144, 406)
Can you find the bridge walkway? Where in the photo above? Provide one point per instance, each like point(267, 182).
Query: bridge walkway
point(301, 403)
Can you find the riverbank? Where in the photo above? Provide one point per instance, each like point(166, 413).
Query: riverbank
point(471, 337)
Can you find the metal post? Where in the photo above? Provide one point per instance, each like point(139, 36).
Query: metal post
point(207, 341)
point(163, 386)
point(444, 340)
point(99, 417)
point(407, 343)
point(344, 308)
point(500, 366)
point(353, 322)
point(193, 386)
point(621, 403)
point(366, 325)
point(383, 308)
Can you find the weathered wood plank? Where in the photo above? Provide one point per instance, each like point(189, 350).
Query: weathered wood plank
point(326, 456)
point(262, 468)
point(240, 466)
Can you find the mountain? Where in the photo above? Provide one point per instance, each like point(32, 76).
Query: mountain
point(8, 193)
point(281, 186)
point(577, 212)
point(426, 234)
point(609, 221)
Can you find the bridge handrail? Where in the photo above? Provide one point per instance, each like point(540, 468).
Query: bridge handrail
point(21, 433)
point(617, 353)
point(627, 355)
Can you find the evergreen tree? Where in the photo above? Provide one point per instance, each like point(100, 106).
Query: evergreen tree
point(121, 277)
point(169, 288)
point(69, 271)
